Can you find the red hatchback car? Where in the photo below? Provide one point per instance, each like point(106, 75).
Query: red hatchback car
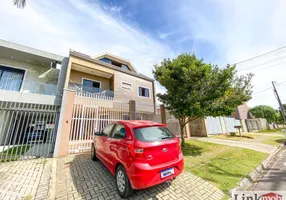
point(139, 153)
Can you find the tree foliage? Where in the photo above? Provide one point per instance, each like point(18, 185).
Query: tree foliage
point(266, 112)
point(196, 89)
point(19, 3)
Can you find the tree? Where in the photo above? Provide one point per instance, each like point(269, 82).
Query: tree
point(265, 112)
point(19, 3)
point(196, 89)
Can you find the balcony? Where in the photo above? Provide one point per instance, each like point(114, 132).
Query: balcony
point(26, 86)
point(91, 90)
point(24, 91)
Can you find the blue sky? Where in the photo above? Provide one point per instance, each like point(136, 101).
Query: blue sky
point(145, 32)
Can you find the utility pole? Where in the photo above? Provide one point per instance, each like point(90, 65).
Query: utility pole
point(279, 102)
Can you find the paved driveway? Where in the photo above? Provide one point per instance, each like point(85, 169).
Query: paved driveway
point(78, 177)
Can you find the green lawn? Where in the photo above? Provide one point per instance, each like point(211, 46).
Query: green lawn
point(276, 141)
point(13, 153)
point(253, 137)
point(222, 165)
point(277, 130)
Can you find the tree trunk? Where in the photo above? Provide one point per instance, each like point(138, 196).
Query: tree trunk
point(182, 126)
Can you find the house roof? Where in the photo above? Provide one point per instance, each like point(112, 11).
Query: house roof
point(96, 61)
point(116, 58)
point(27, 53)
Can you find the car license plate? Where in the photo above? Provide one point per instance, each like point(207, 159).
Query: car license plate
point(167, 172)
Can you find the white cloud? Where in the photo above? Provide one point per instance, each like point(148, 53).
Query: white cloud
point(240, 29)
point(82, 26)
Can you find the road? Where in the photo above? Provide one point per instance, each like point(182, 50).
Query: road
point(275, 177)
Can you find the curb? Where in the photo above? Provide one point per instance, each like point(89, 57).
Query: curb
point(254, 176)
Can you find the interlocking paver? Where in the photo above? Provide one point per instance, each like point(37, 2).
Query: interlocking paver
point(77, 177)
point(23, 179)
point(86, 178)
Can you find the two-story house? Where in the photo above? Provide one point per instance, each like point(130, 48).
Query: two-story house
point(110, 76)
point(30, 96)
point(98, 91)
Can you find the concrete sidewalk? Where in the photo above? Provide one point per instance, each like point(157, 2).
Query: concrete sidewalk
point(265, 148)
point(274, 178)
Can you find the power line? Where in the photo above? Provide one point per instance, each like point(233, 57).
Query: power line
point(261, 65)
point(260, 55)
point(268, 88)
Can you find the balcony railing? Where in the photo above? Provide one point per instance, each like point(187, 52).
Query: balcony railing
point(27, 86)
point(91, 90)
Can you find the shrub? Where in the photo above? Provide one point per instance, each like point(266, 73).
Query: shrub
point(232, 133)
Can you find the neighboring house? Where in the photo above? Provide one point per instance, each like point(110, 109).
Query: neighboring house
point(30, 94)
point(29, 75)
point(110, 76)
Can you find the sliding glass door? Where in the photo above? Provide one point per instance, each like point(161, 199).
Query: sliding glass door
point(11, 78)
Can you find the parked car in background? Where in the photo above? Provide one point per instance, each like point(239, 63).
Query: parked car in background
point(35, 136)
point(139, 153)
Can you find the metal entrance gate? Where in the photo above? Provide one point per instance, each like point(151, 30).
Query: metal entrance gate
point(91, 113)
point(27, 130)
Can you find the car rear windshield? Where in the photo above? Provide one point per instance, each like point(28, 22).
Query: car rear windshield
point(153, 134)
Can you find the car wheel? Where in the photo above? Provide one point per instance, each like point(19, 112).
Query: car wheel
point(123, 186)
point(93, 153)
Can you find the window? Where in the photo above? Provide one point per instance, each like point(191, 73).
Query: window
point(106, 60)
point(119, 132)
point(143, 92)
point(125, 67)
point(11, 78)
point(91, 86)
point(126, 117)
point(138, 117)
point(153, 134)
point(126, 85)
point(108, 130)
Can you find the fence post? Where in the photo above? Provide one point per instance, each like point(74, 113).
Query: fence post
point(163, 114)
point(62, 139)
point(132, 110)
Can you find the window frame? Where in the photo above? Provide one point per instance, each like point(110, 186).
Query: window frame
point(93, 80)
point(125, 87)
point(144, 88)
point(24, 76)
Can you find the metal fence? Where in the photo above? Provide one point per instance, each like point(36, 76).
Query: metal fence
point(219, 125)
point(91, 113)
point(27, 130)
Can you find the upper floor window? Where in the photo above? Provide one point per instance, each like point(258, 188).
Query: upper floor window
point(126, 85)
point(125, 67)
point(115, 63)
point(106, 60)
point(11, 78)
point(144, 92)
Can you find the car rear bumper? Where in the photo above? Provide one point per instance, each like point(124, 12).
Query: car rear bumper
point(145, 176)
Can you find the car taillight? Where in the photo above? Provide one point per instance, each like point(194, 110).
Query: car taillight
point(136, 152)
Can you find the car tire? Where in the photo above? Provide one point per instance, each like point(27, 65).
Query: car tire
point(123, 186)
point(93, 153)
